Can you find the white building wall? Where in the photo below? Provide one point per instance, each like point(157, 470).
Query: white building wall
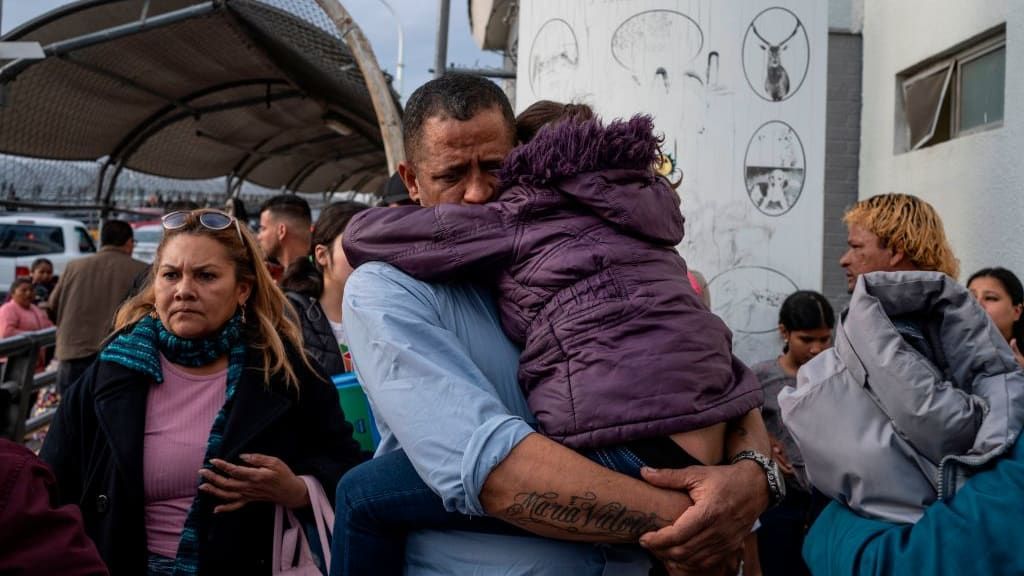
point(845, 16)
point(752, 160)
point(975, 182)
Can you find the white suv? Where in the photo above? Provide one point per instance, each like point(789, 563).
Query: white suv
point(25, 238)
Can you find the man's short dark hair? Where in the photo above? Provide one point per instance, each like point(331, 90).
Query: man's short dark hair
point(289, 206)
point(116, 233)
point(453, 95)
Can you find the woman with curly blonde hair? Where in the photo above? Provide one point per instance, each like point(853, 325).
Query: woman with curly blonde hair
point(204, 373)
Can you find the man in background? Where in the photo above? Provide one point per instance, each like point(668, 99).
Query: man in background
point(87, 296)
point(894, 232)
point(285, 223)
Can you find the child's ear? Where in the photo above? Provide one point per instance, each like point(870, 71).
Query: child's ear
point(322, 256)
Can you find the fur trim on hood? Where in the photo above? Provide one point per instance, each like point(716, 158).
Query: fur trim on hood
point(569, 148)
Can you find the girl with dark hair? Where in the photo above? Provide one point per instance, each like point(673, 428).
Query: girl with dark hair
point(315, 285)
point(43, 280)
point(806, 320)
point(1000, 293)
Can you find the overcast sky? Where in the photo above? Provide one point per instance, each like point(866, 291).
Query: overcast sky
point(419, 22)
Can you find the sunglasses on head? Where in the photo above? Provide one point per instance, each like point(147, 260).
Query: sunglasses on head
point(209, 219)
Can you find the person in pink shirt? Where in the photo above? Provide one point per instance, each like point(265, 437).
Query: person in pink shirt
point(19, 314)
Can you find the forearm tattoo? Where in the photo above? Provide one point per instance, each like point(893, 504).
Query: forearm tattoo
point(581, 515)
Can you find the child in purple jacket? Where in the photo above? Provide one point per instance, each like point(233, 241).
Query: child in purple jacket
point(620, 359)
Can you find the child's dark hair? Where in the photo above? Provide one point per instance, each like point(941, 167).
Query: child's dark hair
point(40, 262)
point(305, 276)
point(544, 112)
point(1013, 288)
point(18, 282)
point(806, 310)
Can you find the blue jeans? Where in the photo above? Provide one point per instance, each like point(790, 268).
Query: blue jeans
point(380, 501)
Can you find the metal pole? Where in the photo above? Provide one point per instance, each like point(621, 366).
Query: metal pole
point(380, 95)
point(59, 48)
point(400, 65)
point(441, 54)
point(486, 72)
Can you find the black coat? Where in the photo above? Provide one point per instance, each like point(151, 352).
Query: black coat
point(317, 337)
point(95, 446)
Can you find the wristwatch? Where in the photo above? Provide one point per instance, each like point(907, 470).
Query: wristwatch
point(776, 483)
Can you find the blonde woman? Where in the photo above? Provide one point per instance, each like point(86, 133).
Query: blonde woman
point(200, 414)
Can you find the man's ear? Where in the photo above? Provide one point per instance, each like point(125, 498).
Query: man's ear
point(408, 174)
point(898, 259)
point(282, 231)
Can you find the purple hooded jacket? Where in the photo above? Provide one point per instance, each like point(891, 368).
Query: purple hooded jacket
point(616, 344)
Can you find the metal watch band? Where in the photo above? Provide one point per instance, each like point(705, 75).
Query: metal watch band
point(776, 484)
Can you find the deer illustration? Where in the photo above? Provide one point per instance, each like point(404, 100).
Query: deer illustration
point(776, 80)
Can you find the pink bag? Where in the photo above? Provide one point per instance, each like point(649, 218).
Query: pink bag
point(289, 540)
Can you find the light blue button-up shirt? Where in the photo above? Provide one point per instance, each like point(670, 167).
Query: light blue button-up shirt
point(441, 378)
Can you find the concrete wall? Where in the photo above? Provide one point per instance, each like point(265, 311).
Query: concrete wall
point(975, 182)
point(751, 161)
point(845, 16)
point(842, 150)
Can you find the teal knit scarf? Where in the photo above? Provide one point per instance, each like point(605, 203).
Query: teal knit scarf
point(139, 349)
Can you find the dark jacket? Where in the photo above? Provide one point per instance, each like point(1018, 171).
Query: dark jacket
point(95, 446)
point(317, 337)
point(616, 344)
point(36, 535)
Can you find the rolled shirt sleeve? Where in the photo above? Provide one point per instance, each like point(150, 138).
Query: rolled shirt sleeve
point(440, 376)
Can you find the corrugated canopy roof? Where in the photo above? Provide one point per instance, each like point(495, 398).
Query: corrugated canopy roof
point(195, 90)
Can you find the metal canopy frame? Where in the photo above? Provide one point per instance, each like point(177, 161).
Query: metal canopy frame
point(178, 108)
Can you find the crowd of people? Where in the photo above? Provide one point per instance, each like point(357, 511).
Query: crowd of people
point(552, 391)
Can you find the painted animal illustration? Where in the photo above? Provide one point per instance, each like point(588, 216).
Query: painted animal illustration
point(776, 79)
point(774, 199)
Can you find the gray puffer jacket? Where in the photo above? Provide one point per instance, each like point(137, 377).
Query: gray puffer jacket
point(882, 428)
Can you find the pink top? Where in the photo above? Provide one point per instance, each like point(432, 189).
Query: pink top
point(14, 319)
point(179, 415)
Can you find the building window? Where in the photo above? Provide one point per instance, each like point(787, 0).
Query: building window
point(956, 94)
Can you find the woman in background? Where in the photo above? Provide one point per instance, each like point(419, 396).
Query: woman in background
point(315, 286)
point(806, 320)
point(1000, 293)
point(20, 314)
point(199, 415)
